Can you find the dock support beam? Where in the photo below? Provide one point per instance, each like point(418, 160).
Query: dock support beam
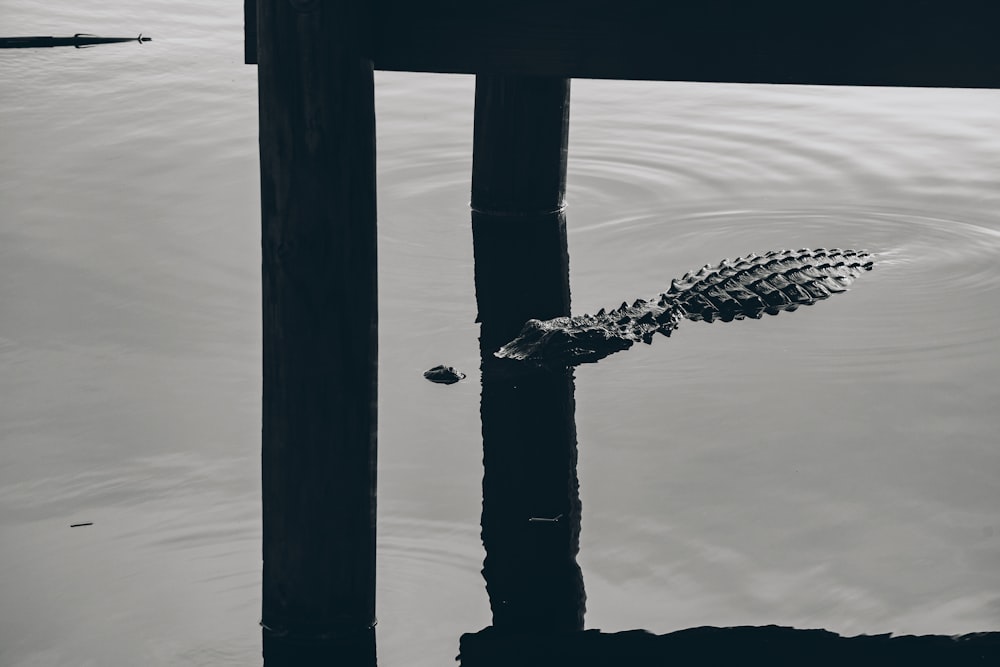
point(518, 199)
point(318, 243)
point(531, 502)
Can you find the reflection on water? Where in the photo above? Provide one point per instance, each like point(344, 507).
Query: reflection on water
point(129, 354)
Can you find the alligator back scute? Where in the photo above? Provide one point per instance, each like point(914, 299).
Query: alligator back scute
point(778, 280)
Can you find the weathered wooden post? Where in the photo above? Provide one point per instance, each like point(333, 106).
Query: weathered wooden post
point(521, 133)
point(531, 503)
point(317, 165)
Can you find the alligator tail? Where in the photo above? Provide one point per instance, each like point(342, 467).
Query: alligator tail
point(756, 284)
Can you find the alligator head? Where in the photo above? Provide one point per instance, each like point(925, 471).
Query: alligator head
point(570, 341)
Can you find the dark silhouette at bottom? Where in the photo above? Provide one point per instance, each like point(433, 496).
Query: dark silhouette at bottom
point(349, 651)
point(770, 646)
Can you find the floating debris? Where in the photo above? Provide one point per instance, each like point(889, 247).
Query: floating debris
point(444, 374)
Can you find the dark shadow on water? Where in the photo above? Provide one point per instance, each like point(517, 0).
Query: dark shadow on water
point(751, 646)
point(354, 651)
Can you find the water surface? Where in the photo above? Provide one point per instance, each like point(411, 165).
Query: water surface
point(834, 467)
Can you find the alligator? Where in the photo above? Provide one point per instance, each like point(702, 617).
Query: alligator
point(748, 286)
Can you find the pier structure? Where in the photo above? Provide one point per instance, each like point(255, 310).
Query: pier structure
point(316, 60)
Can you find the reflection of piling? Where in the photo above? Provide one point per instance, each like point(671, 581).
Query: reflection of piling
point(531, 501)
point(317, 159)
point(355, 650)
point(531, 505)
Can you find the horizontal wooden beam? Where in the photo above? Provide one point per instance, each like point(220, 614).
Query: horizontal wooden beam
point(941, 43)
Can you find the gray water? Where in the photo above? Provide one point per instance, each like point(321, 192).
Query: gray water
point(835, 467)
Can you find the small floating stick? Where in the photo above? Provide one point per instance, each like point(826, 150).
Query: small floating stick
point(79, 40)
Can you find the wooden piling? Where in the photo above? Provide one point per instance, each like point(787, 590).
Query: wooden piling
point(531, 502)
point(520, 139)
point(250, 32)
point(521, 133)
point(318, 243)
